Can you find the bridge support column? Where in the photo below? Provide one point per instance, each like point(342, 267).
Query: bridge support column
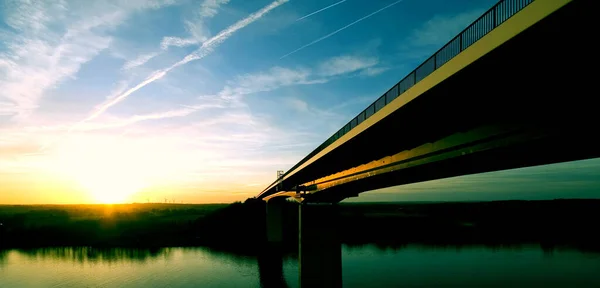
point(320, 252)
point(275, 221)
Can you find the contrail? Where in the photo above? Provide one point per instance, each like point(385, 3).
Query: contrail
point(339, 30)
point(321, 10)
point(155, 76)
point(207, 47)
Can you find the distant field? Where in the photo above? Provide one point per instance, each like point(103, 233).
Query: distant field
point(59, 214)
point(105, 210)
point(110, 225)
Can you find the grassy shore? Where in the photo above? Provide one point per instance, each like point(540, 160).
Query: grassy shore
point(240, 226)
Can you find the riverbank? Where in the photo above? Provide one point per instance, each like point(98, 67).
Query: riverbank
point(123, 225)
point(240, 226)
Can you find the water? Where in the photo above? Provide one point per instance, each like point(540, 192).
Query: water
point(365, 266)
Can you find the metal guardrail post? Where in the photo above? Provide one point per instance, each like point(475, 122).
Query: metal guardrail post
point(494, 17)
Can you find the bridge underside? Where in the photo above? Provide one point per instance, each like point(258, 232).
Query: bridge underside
point(511, 150)
point(529, 102)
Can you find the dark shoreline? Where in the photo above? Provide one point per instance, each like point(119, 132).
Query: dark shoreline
point(239, 227)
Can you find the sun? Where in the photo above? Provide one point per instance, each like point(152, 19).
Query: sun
point(109, 172)
point(108, 187)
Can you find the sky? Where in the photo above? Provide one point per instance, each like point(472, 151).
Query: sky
point(202, 101)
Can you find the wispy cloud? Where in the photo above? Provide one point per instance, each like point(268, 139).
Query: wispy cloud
point(207, 47)
point(114, 100)
point(176, 42)
point(195, 27)
point(181, 112)
point(140, 60)
point(272, 79)
point(441, 28)
point(209, 8)
point(374, 71)
point(7, 109)
point(234, 92)
point(49, 43)
point(278, 77)
point(339, 30)
point(346, 64)
point(118, 122)
point(298, 104)
point(304, 107)
point(435, 32)
point(321, 10)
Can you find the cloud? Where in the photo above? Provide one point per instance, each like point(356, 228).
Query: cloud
point(437, 31)
point(277, 77)
point(7, 109)
point(440, 29)
point(114, 100)
point(209, 8)
point(119, 88)
point(207, 47)
point(33, 17)
point(237, 130)
point(177, 42)
point(196, 28)
point(10, 150)
point(322, 115)
point(181, 112)
point(140, 60)
point(374, 71)
point(115, 122)
point(50, 42)
point(346, 64)
point(362, 102)
point(272, 79)
point(298, 105)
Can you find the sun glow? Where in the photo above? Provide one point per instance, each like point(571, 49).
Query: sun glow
point(110, 170)
point(108, 186)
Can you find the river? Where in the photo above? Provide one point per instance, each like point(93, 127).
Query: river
point(362, 266)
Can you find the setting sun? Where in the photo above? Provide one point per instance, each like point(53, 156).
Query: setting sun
point(110, 170)
point(109, 187)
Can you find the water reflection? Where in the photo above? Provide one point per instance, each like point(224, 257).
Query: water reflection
point(89, 254)
point(270, 268)
point(226, 257)
point(545, 247)
point(3, 256)
point(268, 265)
point(363, 266)
point(119, 267)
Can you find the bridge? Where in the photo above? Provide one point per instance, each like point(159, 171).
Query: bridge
point(511, 90)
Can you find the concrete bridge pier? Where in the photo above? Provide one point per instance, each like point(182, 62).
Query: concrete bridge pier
point(320, 251)
point(275, 221)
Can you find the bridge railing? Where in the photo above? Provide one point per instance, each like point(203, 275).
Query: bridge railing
point(487, 22)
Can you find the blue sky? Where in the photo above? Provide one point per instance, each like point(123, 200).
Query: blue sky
point(203, 101)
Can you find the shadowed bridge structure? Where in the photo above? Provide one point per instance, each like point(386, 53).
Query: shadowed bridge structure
point(514, 89)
